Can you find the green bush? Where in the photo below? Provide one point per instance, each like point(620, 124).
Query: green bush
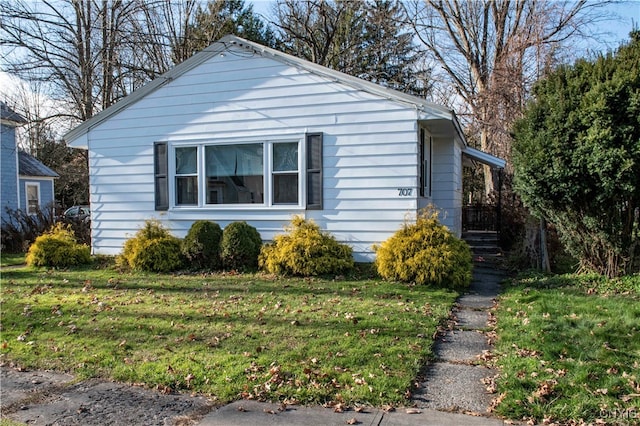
point(201, 245)
point(240, 246)
point(153, 249)
point(58, 247)
point(305, 250)
point(425, 253)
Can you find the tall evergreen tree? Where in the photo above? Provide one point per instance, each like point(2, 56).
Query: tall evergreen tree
point(577, 158)
point(368, 40)
point(219, 18)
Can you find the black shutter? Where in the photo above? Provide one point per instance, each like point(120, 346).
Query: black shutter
point(429, 165)
point(314, 171)
point(421, 175)
point(161, 178)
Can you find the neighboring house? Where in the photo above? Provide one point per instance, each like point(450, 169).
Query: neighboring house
point(244, 132)
point(27, 184)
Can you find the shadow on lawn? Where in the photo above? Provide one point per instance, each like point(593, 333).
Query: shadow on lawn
point(110, 279)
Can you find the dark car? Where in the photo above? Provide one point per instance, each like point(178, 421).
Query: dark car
point(78, 213)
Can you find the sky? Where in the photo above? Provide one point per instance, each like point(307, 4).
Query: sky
point(626, 15)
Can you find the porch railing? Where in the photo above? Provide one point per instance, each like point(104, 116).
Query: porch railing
point(480, 217)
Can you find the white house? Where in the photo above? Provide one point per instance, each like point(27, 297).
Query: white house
point(244, 132)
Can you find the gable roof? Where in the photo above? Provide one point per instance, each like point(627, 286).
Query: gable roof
point(9, 116)
point(30, 166)
point(430, 110)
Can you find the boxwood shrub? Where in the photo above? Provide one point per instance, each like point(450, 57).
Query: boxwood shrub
point(240, 246)
point(201, 245)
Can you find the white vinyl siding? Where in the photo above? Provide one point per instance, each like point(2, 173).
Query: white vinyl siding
point(369, 152)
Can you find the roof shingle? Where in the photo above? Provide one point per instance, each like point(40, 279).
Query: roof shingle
point(30, 166)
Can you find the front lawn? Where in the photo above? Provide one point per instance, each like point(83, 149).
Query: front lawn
point(12, 259)
point(569, 350)
point(350, 340)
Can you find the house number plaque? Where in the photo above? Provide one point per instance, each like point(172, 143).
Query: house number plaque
point(404, 192)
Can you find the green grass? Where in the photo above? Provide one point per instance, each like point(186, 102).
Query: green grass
point(353, 340)
point(569, 350)
point(9, 422)
point(12, 259)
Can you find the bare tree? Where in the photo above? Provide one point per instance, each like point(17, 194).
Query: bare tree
point(94, 52)
point(369, 40)
point(316, 30)
point(491, 52)
point(72, 45)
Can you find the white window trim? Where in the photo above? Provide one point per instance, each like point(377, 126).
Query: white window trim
point(267, 173)
point(272, 173)
point(173, 176)
point(26, 195)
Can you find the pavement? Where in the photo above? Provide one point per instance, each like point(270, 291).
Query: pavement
point(48, 398)
point(453, 389)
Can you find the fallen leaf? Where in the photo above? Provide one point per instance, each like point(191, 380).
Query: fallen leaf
point(163, 389)
point(626, 398)
point(268, 411)
point(352, 421)
point(189, 379)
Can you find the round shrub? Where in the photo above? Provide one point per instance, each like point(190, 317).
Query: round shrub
point(240, 246)
point(425, 253)
point(201, 245)
point(158, 255)
point(153, 249)
point(58, 247)
point(305, 250)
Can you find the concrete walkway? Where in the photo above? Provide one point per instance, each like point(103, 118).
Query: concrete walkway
point(451, 393)
point(458, 379)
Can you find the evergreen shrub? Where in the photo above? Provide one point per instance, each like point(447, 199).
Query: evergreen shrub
point(58, 247)
point(240, 246)
point(425, 253)
point(305, 250)
point(153, 249)
point(201, 245)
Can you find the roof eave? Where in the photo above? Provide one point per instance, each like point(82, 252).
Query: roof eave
point(484, 158)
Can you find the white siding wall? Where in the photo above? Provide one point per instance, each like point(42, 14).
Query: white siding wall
point(370, 150)
point(445, 184)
